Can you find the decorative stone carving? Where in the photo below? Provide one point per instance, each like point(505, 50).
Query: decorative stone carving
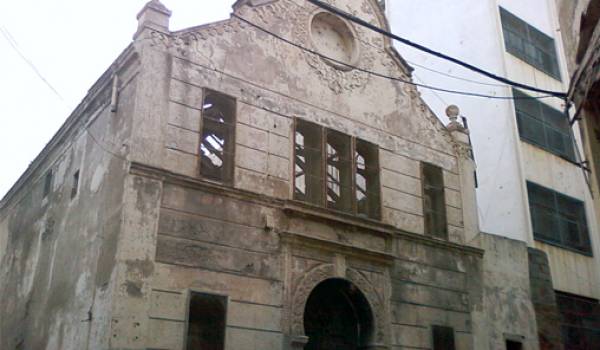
point(375, 298)
point(338, 80)
point(303, 290)
point(320, 273)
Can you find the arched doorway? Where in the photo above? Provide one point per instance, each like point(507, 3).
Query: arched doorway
point(337, 316)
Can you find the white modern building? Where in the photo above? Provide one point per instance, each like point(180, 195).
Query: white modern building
point(531, 186)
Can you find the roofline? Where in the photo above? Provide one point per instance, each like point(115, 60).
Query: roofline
point(68, 126)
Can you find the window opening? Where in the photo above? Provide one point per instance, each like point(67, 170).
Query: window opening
point(75, 184)
point(339, 171)
point(558, 219)
point(443, 338)
point(335, 170)
point(579, 321)
point(367, 179)
point(544, 126)
point(206, 322)
point(217, 142)
point(47, 183)
point(308, 184)
point(513, 345)
point(529, 44)
point(434, 203)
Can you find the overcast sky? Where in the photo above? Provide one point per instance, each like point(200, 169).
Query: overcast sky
point(70, 43)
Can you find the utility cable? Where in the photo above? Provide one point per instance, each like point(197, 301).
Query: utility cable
point(12, 42)
point(368, 25)
point(454, 76)
point(464, 93)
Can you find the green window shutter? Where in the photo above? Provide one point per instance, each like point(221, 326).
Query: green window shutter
point(544, 126)
point(558, 219)
point(529, 44)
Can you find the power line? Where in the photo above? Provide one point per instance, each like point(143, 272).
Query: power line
point(454, 76)
point(12, 42)
point(464, 93)
point(365, 24)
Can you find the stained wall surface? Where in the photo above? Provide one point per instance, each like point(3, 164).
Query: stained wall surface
point(172, 232)
point(57, 261)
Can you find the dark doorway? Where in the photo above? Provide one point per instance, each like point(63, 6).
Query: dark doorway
point(513, 345)
point(206, 327)
point(337, 317)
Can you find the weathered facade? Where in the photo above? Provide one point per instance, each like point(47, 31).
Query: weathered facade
point(221, 174)
point(580, 24)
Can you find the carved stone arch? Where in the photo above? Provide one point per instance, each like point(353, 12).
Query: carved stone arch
point(375, 300)
point(325, 272)
point(302, 291)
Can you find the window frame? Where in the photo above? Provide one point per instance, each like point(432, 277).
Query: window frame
point(228, 171)
point(543, 118)
point(572, 318)
point(323, 201)
point(528, 38)
point(445, 210)
point(558, 218)
point(188, 295)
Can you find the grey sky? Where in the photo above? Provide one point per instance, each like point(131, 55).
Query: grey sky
point(71, 43)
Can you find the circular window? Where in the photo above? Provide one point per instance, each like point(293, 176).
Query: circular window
point(334, 38)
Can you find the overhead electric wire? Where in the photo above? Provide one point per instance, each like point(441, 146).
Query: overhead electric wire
point(464, 93)
point(454, 76)
point(365, 24)
point(12, 42)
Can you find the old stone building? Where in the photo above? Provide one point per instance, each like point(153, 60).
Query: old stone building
point(249, 184)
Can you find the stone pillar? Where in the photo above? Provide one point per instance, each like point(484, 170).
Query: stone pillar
point(154, 15)
point(466, 170)
point(153, 84)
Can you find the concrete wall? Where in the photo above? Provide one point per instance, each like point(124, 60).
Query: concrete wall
point(507, 311)
point(57, 257)
point(544, 301)
point(473, 33)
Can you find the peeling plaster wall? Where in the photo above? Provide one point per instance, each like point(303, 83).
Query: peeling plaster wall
point(506, 310)
point(250, 241)
point(57, 254)
point(154, 231)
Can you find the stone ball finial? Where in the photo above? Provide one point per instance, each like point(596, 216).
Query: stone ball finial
point(452, 112)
